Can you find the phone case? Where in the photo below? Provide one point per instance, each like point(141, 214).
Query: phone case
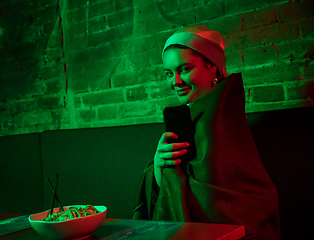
point(178, 120)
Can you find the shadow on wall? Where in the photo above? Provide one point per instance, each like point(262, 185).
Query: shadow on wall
point(25, 36)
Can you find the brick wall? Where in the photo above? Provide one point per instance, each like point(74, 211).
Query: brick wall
point(96, 63)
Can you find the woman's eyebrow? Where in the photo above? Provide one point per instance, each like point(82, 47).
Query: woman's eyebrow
point(181, 65)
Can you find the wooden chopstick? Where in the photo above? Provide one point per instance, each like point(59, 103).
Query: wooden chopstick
point(54, 194)
point(61, 209)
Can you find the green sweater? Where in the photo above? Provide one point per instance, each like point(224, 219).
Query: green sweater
point(226, 183)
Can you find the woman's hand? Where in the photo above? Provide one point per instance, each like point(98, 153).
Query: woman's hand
point(167, 154)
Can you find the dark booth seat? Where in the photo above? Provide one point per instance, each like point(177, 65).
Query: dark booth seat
point(102, 166)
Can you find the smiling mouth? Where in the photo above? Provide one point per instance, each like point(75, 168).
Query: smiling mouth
point(182, 91)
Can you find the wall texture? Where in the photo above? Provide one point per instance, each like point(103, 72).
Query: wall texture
point(94, 63)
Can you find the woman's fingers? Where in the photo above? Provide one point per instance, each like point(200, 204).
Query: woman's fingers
point(172, 155)
point(170, 163)
point(166, 136)
point(168, 154)
point(178, 153)
point(172, 146)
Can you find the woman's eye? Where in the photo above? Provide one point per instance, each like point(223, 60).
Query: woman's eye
point(185, 70)
point(169, 74)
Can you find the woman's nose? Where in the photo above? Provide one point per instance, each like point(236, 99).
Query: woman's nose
point(177, 80)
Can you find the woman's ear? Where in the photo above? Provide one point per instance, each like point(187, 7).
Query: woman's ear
point(214, 69)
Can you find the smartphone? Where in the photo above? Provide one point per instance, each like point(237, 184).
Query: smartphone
point(178, 120)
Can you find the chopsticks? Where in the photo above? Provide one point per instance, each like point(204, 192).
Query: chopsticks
point(55, 197)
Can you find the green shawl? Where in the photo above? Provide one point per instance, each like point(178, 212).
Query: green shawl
point(226, 183)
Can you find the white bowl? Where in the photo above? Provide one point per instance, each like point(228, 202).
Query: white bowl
point(77, 228)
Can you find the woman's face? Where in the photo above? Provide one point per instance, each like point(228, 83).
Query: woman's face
point(188, 74)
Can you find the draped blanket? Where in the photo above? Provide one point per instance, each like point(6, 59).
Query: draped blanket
point(226, 183)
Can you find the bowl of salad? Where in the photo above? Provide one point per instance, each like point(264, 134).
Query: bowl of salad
point(74, 222)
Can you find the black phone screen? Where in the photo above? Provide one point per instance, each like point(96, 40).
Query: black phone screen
point(178, 120)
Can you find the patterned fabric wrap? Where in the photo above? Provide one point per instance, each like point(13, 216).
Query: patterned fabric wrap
point(226, 183)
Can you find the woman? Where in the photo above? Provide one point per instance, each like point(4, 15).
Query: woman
point(226, 183)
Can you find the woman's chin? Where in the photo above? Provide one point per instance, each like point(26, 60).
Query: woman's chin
point(184, 99)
